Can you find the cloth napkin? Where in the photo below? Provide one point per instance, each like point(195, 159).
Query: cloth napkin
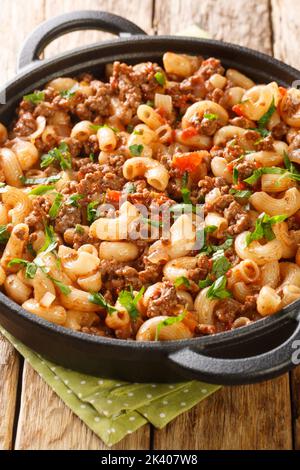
point(110, 408)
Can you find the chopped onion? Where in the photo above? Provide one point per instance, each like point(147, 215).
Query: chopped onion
point(164, 102)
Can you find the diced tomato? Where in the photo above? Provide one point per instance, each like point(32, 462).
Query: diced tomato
point(189, 132)
point(230, 167)
point(240, 186)
point(237, 109)
point(161, 111)
point(229, 272)
point(187, 161)
point(113, 195)
point(282, 91)
point(297, 217)
point(258, 164)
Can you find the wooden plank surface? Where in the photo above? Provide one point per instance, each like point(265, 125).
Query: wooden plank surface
point(252, 417)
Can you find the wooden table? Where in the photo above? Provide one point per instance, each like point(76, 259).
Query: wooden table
point(264, 416)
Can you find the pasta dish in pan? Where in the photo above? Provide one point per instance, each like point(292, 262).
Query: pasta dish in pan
point(161, 204)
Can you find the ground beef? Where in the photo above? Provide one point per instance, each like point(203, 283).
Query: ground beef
point(201, 271)
point(117, 276)
point(25, 125)
point(164, 301)
point(245, 169)
point(226, 310)
point(241, 121)
point(151, 272)
point(39, 215)
point(294, 148)
point(266, 144)
point(248, 309)
point(294, 221)
point(279, 131)
point(74, 145)
point(208, 183)
point(291, 104)
point(238, 219)
point(99, 104)
point(209, 67)
point(67, 217)
point(219, 204)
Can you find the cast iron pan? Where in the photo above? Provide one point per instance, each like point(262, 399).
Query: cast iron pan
point(259, 351)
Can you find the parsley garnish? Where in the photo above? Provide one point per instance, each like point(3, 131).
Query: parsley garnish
point(73, 200)
point(243, 194)
point(263, 132)
point(50, 240)
point(264, 171)
point(218, 289)
point(98, 299)
point(263, 121)
point(210, 116)
point(182, 281)
point(62, 287)
point(263, 227)
point(56, 205)
point(79, 229)
point(91, 211)
point(96, 127)
point(92, 157)
point(129, 301)
point(289, 165)
point(136, 150)
point(31, 267)
point(235, 175)
point(167, 322)
point(154, 223)
point(33, 181)
point(220, 263)
point(130, 188)
point(160, 78)
point(68, 94)
point(59, 154)
point(205, 283)
point(41, 189)
point(35, 98)
point(4, 234)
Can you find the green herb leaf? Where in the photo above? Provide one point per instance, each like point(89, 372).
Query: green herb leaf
point(150, 103)
point(263, 121)
point(136, 150)
point(73, 200)
point(273, 170)
point(182, 281)
point(96, 127)
point(92, 157)
point(4, 234)
point(235, 175)
point(167, 322)
point(56, 205)
point(60, 155)
point(50, 240)
point(210, 116)
point(205, 283)
point(70, 93)
point(91, 211)
point(98, 299)
point(66, 290)
point(263, 132)
point(79, 229)
point(31, 267)
point(263, 227)
point(218, 289)
point(129, 302)
point(153, 223)
point(243, 194)
point(31, 250)
point(220, 263)
point(289, 165)
point(130, 188)
point(129, 128)
point(33, 181)
point(35, 98)
point(41, 189)
point(160, 78)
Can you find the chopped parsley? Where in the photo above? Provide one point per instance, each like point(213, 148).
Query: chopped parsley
point(210, 116)
point(205, 283)
point(70, 93)
point(92, 157)
point(129, 301)
point(31, 267)
point(35, 98)
point(41, 189)
point(220, 263)
point(62, 287)
point(73, 200)
point(130, 188)
point(79, 229)
point(150, 103)
point(263, 121)
point(241, 194)
point(263, 132)
point(289, 165)
point(160, 78)
point(218, 289)
point(136, 150)
point(33, 181)
point(56, 205)
point(91, 211)
point(263, 227)
point(96, 127)
point(235, 175)
point(182, 281)
point(4, 234)
point(264, 171)
point(168, 322)
point(98, 299)
point(129, 128)
point(60, 154)
point(50, 240)
point(153, 223)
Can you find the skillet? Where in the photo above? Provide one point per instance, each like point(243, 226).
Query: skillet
point(260, 351)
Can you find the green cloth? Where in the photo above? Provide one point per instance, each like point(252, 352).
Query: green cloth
point(110, 408)
point(114, 409)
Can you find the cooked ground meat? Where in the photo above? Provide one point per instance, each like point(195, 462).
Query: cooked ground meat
point(67, 217)
point(266, 144)
point(249, 307)
point(219, 204)
point(39, 214)
point(239, 220)
point(117, 276)
point(151, 273)
point(243, 122)
point(201, 271)
point(98, 104)
point(164, 302)
point(25, 125)
point(208, 183)
point(245, 169)
point(279, 131)
point(209, 67)
point(226, 310)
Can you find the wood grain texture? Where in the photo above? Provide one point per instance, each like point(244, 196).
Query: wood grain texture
point(295, 385)
point(9, 369)
point(245, 418)
point(46, 423)
point(131, 10)
point(233, 21)
point(286, 30)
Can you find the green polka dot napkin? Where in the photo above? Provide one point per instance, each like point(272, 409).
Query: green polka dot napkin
point(110, 408)
point(114, 409)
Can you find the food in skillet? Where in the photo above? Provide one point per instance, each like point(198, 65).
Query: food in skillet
point(103, 186)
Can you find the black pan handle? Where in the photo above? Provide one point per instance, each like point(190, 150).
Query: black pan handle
point(68, 22)
point(240, 371)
